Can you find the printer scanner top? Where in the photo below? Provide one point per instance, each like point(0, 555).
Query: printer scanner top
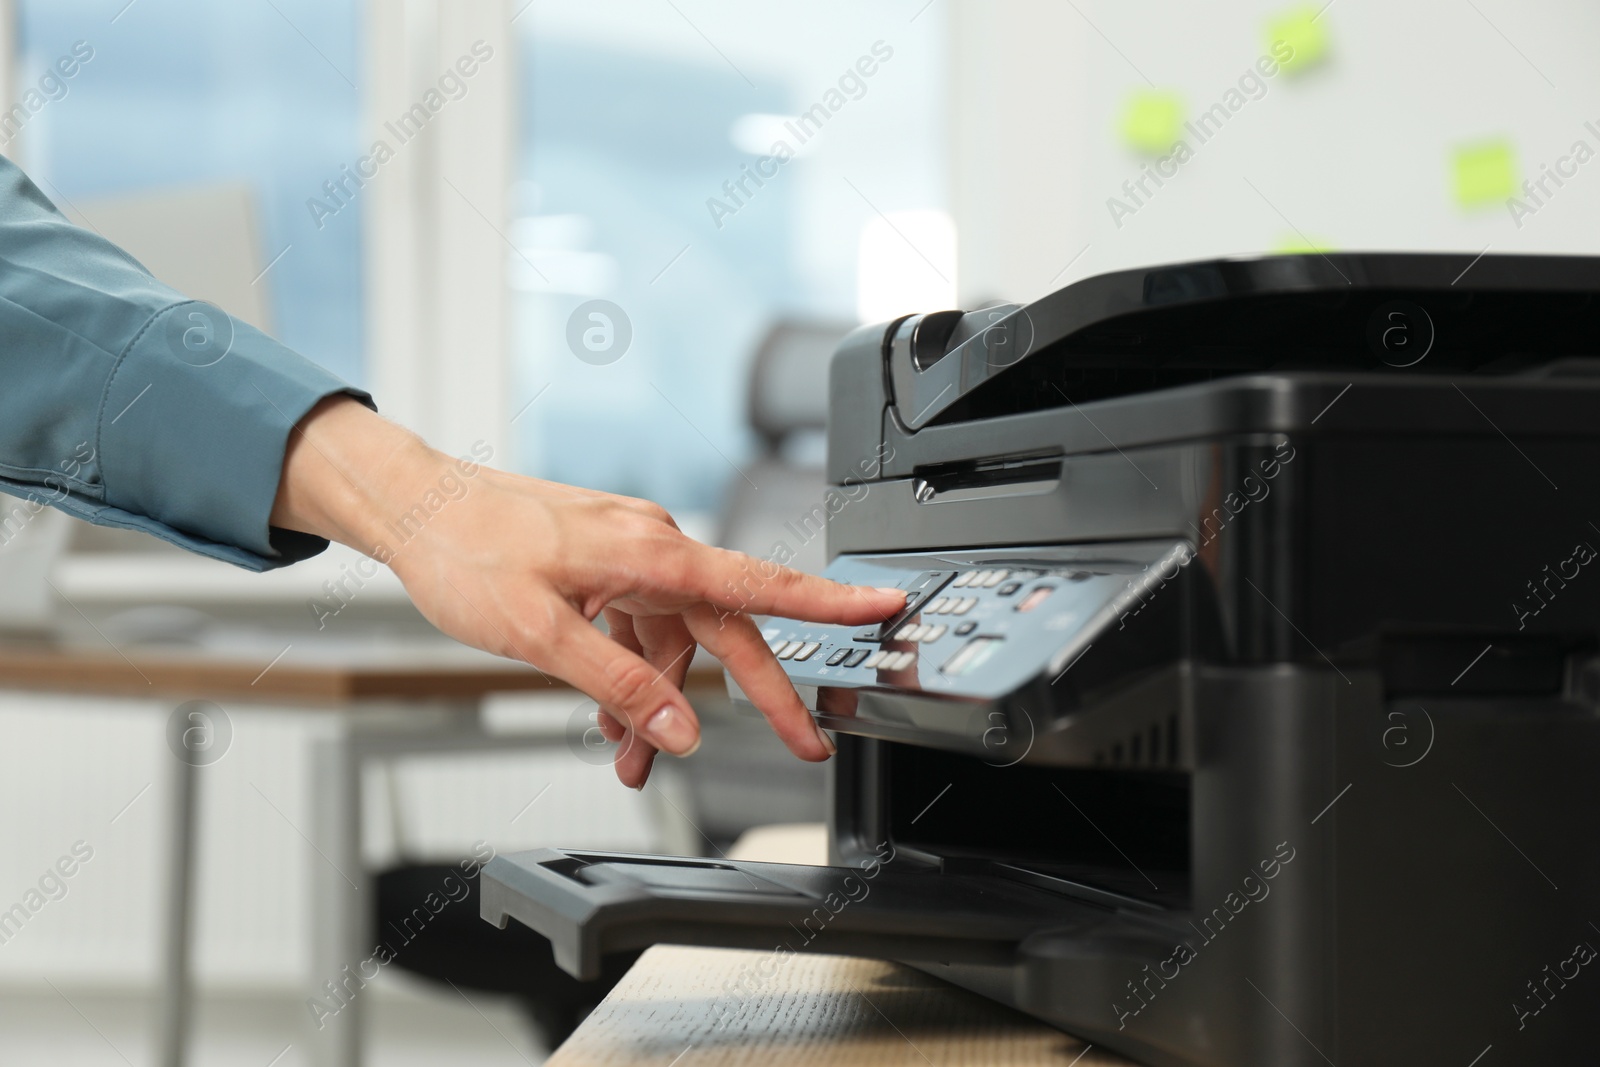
point(1243, 324)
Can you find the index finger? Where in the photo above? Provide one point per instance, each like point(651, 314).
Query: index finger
point(735, 582)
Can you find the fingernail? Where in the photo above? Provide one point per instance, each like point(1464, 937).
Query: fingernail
point(827, 742)
point(671, 731)
point(901, 593)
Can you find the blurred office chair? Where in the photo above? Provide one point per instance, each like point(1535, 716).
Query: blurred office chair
point(774, 500)
point(742, 776)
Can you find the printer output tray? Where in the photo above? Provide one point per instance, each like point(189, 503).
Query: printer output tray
point(590, 904)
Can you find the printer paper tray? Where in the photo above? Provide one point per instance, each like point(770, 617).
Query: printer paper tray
point(590, 904)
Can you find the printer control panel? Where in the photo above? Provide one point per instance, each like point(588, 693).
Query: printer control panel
point(977, 624)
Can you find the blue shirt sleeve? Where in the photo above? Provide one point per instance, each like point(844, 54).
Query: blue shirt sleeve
point(124, 403)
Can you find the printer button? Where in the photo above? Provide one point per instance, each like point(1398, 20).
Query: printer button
point(838, 657)
point(1035, 597)
point(807, 651)
point(1009, 588)
point(966, 628)
point(856, 656)
point(966, 605)
point(978, 578)
point(789, 649)
point(963, 579)
point(899, 661)
point(918, 592)
point(994, 579)
point(905, 632)
point(933, 634)
point(936, 605)
point(876, 659)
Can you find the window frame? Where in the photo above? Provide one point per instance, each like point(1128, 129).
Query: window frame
point(438, 326)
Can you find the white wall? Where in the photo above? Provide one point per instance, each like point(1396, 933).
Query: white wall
point(1355, 153)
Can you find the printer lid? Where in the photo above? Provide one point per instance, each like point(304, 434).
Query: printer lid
point(1155, 327)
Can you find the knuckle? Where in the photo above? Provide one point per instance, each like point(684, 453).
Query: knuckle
point(536, 639)
point(541, 624)
point(744, 568)
point(740, 643)
point(789, 580)
point(668, 562)
point(630, 683)
point(647, 511)
point(656, 513)
point(674, 562)
point(643, 528)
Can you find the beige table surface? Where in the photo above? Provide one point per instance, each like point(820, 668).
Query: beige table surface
point(834, 1010)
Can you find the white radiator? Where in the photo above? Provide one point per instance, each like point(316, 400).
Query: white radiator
point(98, 771)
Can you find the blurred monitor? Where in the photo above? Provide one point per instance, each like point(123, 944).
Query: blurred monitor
point(202, 240)
point(32, 538)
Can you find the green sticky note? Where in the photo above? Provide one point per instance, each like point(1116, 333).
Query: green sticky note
point(1299, 33)
point(1152, 121)
point(1297, 245)
point(1485, 173)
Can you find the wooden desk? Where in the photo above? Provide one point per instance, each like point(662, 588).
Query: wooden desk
point(446, 673)
point(388, 700)
point(837, 1011)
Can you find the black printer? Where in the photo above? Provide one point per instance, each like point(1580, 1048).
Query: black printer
point(1243, 712)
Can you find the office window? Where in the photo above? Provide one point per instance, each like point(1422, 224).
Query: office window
point(180, 98)
point(650, 178)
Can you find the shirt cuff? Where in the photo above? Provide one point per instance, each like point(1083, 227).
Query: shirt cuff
point(192, 433)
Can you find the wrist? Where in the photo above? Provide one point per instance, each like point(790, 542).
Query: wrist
point(347, 472)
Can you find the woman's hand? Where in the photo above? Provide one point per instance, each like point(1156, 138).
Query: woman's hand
point(521, 567)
